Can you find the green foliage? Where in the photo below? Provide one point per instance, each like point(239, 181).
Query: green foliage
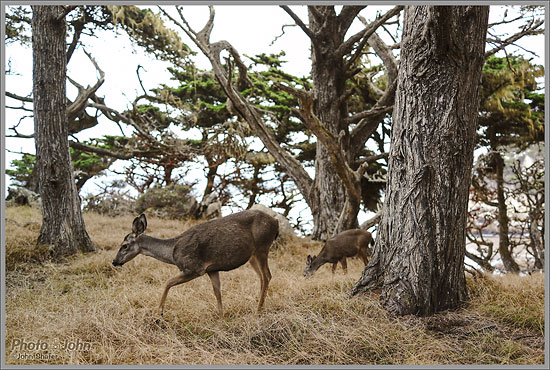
point(199, 99)
point(148, 31)
point(145, 28)
point(87, 162)
point(89, 18)
point(18, 21)
point(23, 168)
point(158, 119)
point(267, 72)
point(512, 112)
point(87, 165)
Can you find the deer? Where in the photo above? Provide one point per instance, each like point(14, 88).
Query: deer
point(349, 243)
point(221, 244)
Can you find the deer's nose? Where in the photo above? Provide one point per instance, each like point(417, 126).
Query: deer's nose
point(115, 263)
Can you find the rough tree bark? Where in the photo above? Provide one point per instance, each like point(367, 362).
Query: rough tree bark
point(328, 75)
point(62, 228)
point(418, 258)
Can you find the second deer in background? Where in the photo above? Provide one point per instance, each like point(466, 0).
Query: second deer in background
point(349, 243)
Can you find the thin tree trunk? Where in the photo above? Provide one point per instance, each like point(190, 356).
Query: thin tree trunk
point(419, 253)
point(254, 190)
point(210, 177)
point(537, 244)
point(503, 240)
point(62, 228)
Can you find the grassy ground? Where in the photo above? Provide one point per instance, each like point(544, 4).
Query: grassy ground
point(109, 314)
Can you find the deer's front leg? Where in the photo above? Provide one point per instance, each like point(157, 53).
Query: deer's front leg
point(180, 279)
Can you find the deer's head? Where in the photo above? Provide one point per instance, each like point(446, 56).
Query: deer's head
point(309, 269)
point(130, 246)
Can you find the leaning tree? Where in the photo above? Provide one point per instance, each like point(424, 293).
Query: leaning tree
point(418, 259)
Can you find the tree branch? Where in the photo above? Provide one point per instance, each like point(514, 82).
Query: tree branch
point(531, 30)
point(369, 120)
point(17, 97)
point(374, 158)
point(246, 110)
point(365, 115)
point(364, 35)
point(315, 13)
point(204, 34)
point(299, 22)
point(78, 28)
point(66, 10)
point(348, 176)
point(81, 100)
point(372, 221)
point(385, 53)
point(100, 151)
point(348, 14)
point(372, 118)
point(20, 108)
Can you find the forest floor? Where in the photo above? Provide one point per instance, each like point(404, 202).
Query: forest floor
point(106, 315)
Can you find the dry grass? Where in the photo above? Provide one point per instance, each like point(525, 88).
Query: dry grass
point(305, 321)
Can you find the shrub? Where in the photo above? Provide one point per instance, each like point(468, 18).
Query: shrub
point(109, 204)
point(173, 201)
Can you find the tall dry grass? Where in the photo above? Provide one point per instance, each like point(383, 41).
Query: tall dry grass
point(311, 321)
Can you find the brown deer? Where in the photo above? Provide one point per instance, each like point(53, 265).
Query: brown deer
point(218, 245)
point(349, 243)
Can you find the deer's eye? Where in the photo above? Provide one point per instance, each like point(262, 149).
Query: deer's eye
point(125, 246)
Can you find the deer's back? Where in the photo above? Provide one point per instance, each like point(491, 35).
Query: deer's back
point(348, 243)
point(226, 243)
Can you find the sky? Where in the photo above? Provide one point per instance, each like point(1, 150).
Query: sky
point(251, 30)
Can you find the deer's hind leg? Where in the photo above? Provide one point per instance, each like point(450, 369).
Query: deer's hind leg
point(363, 255)
point(260, 265)
point(216, 285)
point(344, 264)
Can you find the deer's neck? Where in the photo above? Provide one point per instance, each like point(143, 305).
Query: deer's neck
point(318, 262)
point(160, 249)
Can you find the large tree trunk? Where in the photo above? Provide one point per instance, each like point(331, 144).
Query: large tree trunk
point(419, 253)
point(503, 240)
point(62, 224)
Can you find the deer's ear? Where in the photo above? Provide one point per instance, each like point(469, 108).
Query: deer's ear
point(139, 225)
point(309, 259)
